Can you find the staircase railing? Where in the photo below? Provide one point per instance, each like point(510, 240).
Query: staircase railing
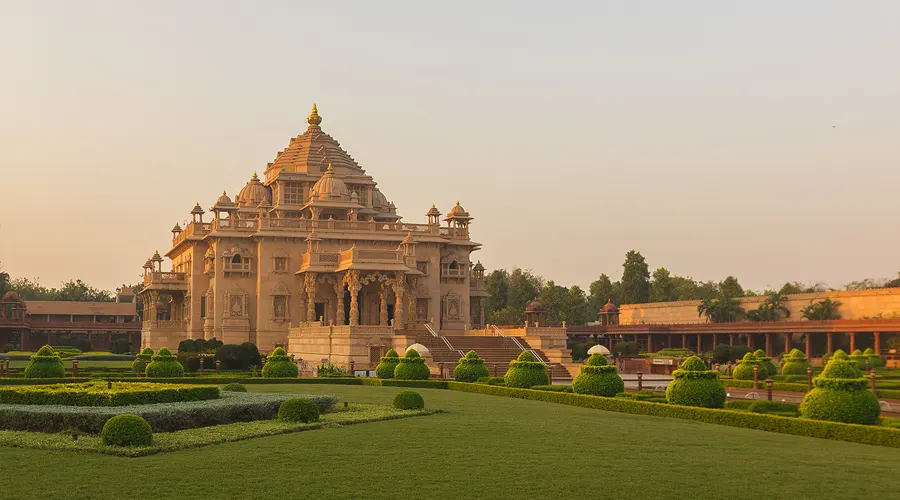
point(498, 332)
point(521, 346)
point(431, 330)
point(450, 346)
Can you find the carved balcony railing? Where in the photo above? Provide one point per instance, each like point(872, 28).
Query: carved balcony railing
point(165, 278)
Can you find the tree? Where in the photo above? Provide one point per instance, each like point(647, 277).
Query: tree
point(731, 288)
point(707, 290)
point(635, 279)
point(514, 290)
point(553, 297)
point(602, 291)
point(662, 289)
point(576, 306)
point(822, 310)
point(685, 288)
point(894, 283)
point(722, 309)
point(497, 285)
point(762, 313)
point(777, 304)
point(4, 281)
point(80, 291)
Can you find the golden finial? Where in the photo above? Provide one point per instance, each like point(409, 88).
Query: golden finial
point(255, 177)
point(330, 168)
point(314, 118)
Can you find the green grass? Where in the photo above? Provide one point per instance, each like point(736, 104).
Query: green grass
point(481, 447)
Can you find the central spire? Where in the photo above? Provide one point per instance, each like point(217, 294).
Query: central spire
point(314, 118)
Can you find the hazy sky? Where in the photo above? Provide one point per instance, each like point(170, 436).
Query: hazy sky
point(760, 140)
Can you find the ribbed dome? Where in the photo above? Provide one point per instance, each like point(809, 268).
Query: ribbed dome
point(330, 187)
point(458, 210)
point(253, 193)
point(12, 296)
point(224, 199)
point(379, 200)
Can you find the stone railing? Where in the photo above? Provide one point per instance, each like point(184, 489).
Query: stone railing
point(192, 229)
point(234, 224)
point(274, 224)
point(357, 255)
point(161, 278)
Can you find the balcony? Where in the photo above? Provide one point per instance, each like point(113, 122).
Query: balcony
point(459, 272)
point(158, 280)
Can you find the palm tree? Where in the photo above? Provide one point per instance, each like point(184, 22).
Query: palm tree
point(762, 313)
point(722, 309)
point(823, 310)
point(777, 302)
point(705, 307)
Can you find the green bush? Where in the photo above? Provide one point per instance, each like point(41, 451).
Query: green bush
point(644, 395)
point(875, 361)
point(859, 358)
point(233, 357)
point(492, 380)
point(840, 395)
point(765, 362)
point(389, 362)
point(164, 364)
point(412, 367)
point(120, 346)
point(722, 353)
point(598, 377)
point(553, 388)
point(96, 393)
point(298, 410)
point(279, 365)
point(694, 385)
point(470, 368)
point(8, 348)
point(626, 349)
point(234, 387)
point(45, 363)
point(525, 372)
point(408, 400)
point(795, 363)
point(767, 407)
point(744, 369)
point(144, 356)
point(126, 430)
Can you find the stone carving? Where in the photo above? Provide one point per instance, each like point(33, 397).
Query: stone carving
point(452, 306)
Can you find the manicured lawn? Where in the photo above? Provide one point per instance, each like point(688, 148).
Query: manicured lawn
point(483, 447)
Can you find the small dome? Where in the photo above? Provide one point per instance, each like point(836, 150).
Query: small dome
point(535, 307)
point(177, 228)
point(609, 307)
point(197, 209)
point(458, 211)
point(599, 349)
point(378, 199)
point(330, 187)
point(156, 257)
point(12, 296)
point(224, 199)
point(253, 193)
point(433, 212)
point(478, 266)
point(419, 348)
point(148, 264)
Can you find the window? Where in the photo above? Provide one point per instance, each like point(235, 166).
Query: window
point(293, 193)
point(203, 306)
point(281, 264)
point(236, 259)
point(280, 306)
point(422, 266)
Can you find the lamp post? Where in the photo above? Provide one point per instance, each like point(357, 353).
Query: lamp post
point(872, 376)
point(756, 377)
point(769, 389)
point(640, 377)
point(809, 372)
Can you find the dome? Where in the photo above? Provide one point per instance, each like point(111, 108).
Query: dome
point(419, 348)
point(458, 211)
point(224, 199)
point(609, 307)
point(330, 187)
point(378, 198)
point(253, 193)
point(12, 296)
point(599, 349)
point(197, 209)
point(177, 228)
point(433, 212)
point(534, 306)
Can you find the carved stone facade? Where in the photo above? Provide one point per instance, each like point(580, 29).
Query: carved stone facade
point(313, 244)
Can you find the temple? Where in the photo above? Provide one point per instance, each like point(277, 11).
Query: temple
point(314, 257)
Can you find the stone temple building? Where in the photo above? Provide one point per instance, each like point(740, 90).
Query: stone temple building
point(314, 257)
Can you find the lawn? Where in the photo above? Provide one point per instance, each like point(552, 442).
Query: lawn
point(483, 447)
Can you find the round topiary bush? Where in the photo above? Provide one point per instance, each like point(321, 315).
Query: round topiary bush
point(598, 377)
point(45, 363)
point(298, 410)
point(408, 400)
point(875, 361)
point(795, 363)
point(412, 367)
point(234, 387)
point(389, 362)
point(279, 365)
point(144, 356)
point(694, 385)
point(525, 371)
point(470, 368)
point(765, 362)
point(744, 368)
point(126, 430)
point(164, 364)
point(841, 395)
point(859, 358)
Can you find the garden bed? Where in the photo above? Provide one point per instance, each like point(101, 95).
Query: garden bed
point(99, 393)
point(163, 417)
point(196, 437)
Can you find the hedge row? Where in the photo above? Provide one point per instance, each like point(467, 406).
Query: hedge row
point(879, 436)
point(789, 387)
point(97, 394)
point(165, 417)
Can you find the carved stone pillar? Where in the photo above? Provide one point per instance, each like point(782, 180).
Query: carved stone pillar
point(382, 311)
point(398, 302)
point(310, 283)
point(481, 302)
point(339, 312)
point(353, 286)
point(412, 298)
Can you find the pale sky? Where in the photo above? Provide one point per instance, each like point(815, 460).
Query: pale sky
point(760, 140)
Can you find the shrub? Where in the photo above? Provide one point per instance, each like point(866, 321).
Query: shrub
point(9, 348)
point(234, 387)
point(126, 430)
point(252, 351)
point(144, 356)
point(298, 410)
point(279, 365)
point(164, 364)
point(75, 343)
point(187, 345)
point(412, 367)
point(492, 380)
point(45, 363)
point(875, 361)
point(744, 369)
point(765, 362)
point(525, 372)
point(626, 349)
point(97, 394)
point(408, 400)
point(767, 407)
point(859, 358)
point(552, 388)
point(389, 362)
point(233, 357)
point(795, 363)
point(722, 353)
point(470, 368)
point(328, 370)
point(598, 377)
point(840, 395)
point(694, 385)
point(120, 346)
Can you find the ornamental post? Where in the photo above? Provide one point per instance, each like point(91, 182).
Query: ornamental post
point(640, 377)
point(872, 376)
point(769, 389)
point(756, 377)
point(809, 384)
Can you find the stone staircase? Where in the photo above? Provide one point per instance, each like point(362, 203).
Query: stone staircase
point(499, 351)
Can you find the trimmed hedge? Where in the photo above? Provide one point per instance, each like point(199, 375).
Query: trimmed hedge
point(298, 410)
point(795, 363)
point(163, 417)
point(598, 377)
point(234, 387)
point(553, 388)
point(768, 407)
point(419, 384)
point(412, 367)
point(765, 361)
point(279, 365)
point(408, 400)
point(492, 380)
point(126, 430)
point(103, 357)
point(840, 395)
point(694, 385)
point(878, 436)
point(470, 368)
point(96, 394)
point(525, 371)
point(144, 356)
point(45, 363)
point(164, 364)
point(744, 368)
point(389, 361)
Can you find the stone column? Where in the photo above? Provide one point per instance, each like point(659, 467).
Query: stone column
point(750, 341)
point(769, 345)
point(353, 286)
point(481, 302)
point(808, 346)
point(382, 307)
point(683, 341)
point(339, 309)
point(731, 339)
point(649, 342)
point(830, 342)
point(413, 282)
point(852, 342)
point(787, 343)
point(398, 286)
point(715, 340)
point(877, 338)
point(699, 344)
point(309, 282)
